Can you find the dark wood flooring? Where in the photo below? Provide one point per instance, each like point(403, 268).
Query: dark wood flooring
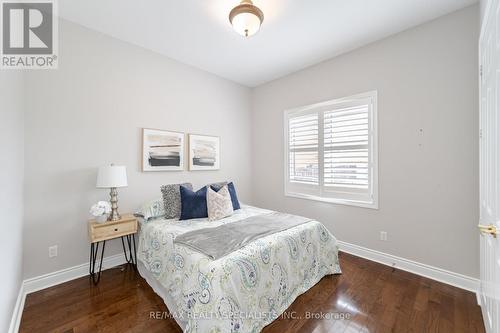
point(371, 297)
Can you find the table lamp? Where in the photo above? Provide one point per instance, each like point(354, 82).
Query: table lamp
point(112, 176)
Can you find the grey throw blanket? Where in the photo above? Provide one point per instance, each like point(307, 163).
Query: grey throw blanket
point(219, 241)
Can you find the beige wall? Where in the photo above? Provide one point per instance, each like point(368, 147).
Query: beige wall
point(11, 190)
point(426, 79)
point(482, 10)
point(90, 112)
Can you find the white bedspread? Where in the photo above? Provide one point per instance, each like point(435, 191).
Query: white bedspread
point(245, 290)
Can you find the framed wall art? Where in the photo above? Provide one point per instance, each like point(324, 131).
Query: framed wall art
point(162, 150)
point(204, 152)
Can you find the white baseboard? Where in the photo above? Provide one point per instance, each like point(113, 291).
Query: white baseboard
point(51, 279)
point(18, 310)
point(68, 274)
point(434, 273)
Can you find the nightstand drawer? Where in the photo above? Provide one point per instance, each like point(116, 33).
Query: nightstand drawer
point(110, 230)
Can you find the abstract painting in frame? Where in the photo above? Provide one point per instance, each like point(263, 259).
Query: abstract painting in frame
point(162, 150)
point(204, 152)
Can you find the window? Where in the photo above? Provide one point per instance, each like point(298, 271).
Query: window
point(331, 151)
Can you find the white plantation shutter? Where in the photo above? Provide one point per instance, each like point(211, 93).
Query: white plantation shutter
point(331, 149)
point(346, 147)
point(303, 149)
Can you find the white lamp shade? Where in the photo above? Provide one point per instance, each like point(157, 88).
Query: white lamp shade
point(246, 24)
point(112, 176)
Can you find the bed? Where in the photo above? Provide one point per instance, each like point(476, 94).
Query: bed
point(242, 291)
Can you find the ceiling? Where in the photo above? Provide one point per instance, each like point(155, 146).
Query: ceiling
point(295, 33)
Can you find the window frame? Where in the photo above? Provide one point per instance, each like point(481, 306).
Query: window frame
point(316, 192)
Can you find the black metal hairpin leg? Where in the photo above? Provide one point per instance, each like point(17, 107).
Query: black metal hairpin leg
point(131, 258)
point(94, 249)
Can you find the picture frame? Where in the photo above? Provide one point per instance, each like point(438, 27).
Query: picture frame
point(204, 152)
point(162, 150)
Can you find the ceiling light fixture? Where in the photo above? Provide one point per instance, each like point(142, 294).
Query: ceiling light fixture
point(246, 18)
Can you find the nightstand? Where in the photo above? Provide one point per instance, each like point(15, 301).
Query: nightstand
point(126, 227)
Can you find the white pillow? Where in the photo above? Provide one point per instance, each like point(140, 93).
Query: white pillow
point(219, 203)
point(151, 209)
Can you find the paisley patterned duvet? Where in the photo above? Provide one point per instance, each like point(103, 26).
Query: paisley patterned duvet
point(245, 290)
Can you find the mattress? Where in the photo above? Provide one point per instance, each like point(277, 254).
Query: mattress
point(240, 292)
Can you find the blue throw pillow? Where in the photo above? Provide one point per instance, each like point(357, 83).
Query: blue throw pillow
point(232, 192)
point(193, 204)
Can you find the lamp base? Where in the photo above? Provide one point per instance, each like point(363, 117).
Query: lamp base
point(114, 216)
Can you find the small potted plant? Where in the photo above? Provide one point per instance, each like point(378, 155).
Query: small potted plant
point(100, 211)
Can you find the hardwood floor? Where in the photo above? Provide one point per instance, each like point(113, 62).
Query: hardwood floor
point(371, 297)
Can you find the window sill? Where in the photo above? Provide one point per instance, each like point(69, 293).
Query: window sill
point(362, 204)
